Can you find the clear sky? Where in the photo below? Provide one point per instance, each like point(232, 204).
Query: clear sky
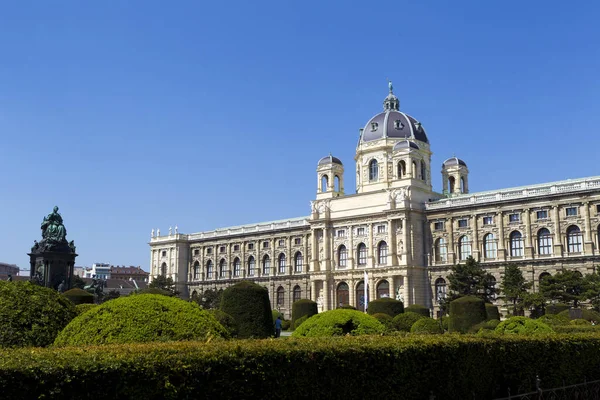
point(145, 114)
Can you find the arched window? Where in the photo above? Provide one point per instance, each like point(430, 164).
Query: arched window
point(298, 261)
point(383, 289)
point(544, 242)
point(423, 171)
point(441, 250)
point(343, 294)
point(401, 169)
point(516, 244)
point(574, 239)
point(336, 183)
point(266, 264)
point(462, 185)
point(280, 296)
point(163, 269)
point(281, 263)
point(414, 170)
point(324, 183)
point(542, 276)
point(489, 246)
point(251, 266)
point(464, 248)
point(237, 267)
point(451, 183)
point(196, 271)
point(194, 295)
point(222, 269)
point(440, 289)
point(373, 170)
point(362, 254)
point(342, 256)
point(297, 294)
point(360, 296)
point(209, 269)
point(382, 252)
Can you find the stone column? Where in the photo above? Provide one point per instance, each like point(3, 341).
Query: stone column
point(326, 248)
point(406, 253)
point(393, 245)
point(314, 251)
point(352, 296)
point(370, 247)
point(313, 290)
point(450, 249)
point(476, 250)
point(588, 244)
point(557, 242)
point(528, 245)
point(243, 261)
point(501, 250)
point(350, 248)
point(305, 264)
point(392, 287)
point(327, 295)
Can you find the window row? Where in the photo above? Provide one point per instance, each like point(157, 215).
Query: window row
point(342, 293)
point(222, 272)
point(250, 246)
point(361, 254)
point(280, 295)
point(418, 171)
point(360, 231)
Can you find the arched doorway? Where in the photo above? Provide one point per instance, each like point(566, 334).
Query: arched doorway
point(343, 294)
point(383, 289)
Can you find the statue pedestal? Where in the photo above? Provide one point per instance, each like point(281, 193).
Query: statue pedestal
point(51, 268)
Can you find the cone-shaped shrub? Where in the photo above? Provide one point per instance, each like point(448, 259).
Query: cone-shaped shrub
point(79, 296)
point(386, 305)
point(465, 312)
point(491, 312)
point(226, 320)
point(339, 322)
point(303, 308)
point(419, 309)
point(248, 304)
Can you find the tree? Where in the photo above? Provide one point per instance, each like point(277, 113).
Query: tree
point(113, 294)
point(567, 286)
point(210, 299)
point(513, 286)
point(469, 279)
point(78, 282)
point(164, 283)
point(536, 302)
point(592, 289)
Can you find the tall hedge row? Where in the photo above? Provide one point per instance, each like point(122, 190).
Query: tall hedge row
point(398, 369)
point(386, 305)
point(248, 304)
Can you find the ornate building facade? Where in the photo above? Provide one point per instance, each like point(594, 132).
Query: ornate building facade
point(395, 227)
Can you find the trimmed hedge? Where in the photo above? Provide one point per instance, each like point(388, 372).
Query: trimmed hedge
point(301, 308)
point(153, 291)
point(465, 312)
point(556, 308)
point(484, 326)
point(577, 329)
point(588, 315)
point(81, 308)
point(386, 305)
point(138, 319)
point(385, 320)
point(554, 320)
point(523, 326)
point(418, 309)
point(338, 323)
point(226, 320)
point(31, 315)
point(249, 305)
point(79, 296)
point(491, 312)
point(397, 369)
point(404, 322)
point(426, 326)
point(300, 321)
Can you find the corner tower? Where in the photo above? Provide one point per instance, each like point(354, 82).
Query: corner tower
point(455, 177)
point(330, 178)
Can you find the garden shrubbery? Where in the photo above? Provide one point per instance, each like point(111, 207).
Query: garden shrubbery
point(588, 315)
point(302, 308)
point(418, 309)
point(426, 325)
point(141, 318)
point(31, 315)
point(81, 308)
point(385, 320)
point(79, 296)
point(403, 322)
point(557, 308)
point(338, 323)
point(386, 305)
point(491, 312)
point(522, 326)
point(226, 320)
point(465, 312)
point(249, 305)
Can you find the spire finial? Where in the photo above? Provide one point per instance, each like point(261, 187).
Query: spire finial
point(390, 86)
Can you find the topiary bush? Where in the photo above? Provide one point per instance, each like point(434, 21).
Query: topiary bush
point(275, 314)
point(386, 305)
point(346, 307)
point(554, 320)
point(81, 308)
point(31, 315)
point(491, 312)
point(465, 312)
point(579, 322)
point(248, 304)
point(79, 296)
point(137, 319)
point(523, 326)
point(300, 321)
point(484, 326)
point(403, 322)
point(426, 326)
point(226, 320)
point(418, 309)
point(588, 315)
point(286, 324)
point(385, 320)
point(153, 291)
point(302, 308)
point(339, 322)
point(556, 308)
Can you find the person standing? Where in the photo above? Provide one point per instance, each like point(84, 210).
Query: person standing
point(278, 326)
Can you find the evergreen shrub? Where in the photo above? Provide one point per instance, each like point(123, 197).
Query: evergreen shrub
point(523, 326)
point(556, 308)
point(346, 307)
point(386, 305)
point(404, 322)
point(588, 315)
point(418, 309)
point(338, 323)
point(580, 322)
point(491, 312)
point(31, 315)
point(484, 326)
point(286, 324)
point(248, 304)
point(427, 326)
point(300, 321)
point(572, 329)
point(465, 312)
point(150, 290)
point(225, 320)
point(385, 320)
point(138, 319)
point(79, 296)
point(554, 320)
point(303, 308)
point(81, 308)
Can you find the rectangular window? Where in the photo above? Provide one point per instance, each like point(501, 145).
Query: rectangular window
point(164, 253)
point(196, 252)
point(360, 231)
point(381, 228)
point(298, 241)
point(542, 214)
point(514, 217)
point(250, 246)
point(340, 233)
point(209, 250)
point(571, 211)
point(281, 242)
point(598, 208)
point(438, 226)
point(222, 249)
point(463, 223)
point(488, 220)
point(236, 247)
point(265, 245)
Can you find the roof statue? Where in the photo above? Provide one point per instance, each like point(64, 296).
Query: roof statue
point(54, 235)
point(391, 87)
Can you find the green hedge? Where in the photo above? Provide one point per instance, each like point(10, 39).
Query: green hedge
point(556, 308)
point(523, 326)
point(226, 320)
point(81, 308)
point(300, 321)
point(465, 312)
point(418, 309)
point(79, 296)
point(373, 366)
point(491, 312)
point(404, 322)
point(248, 304)
point(577, 329)
point(301, 308)
point(588, 315)
point(426, 326)
point(386, 305)
point(385, 320)
point(338, 323)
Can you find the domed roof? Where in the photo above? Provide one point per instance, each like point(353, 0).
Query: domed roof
point(393, 123)
point(405, 144)
point(454, 161)
point(329, 160)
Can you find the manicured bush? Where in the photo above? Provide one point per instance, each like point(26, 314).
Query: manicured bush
point(79, 296)
point(426, 326)
point(226, 320)
point(465, 312)
point(138, 319)
point(149, 290)
point(403, 322)
point(275, 314)
point(491, 312)
point(300, 321)
point(347, 307)
point(556, 308)
point(81, 308)
point(571, 329)
point(588, 315)
point(286, 324)
point(484, 326)
point(31, 315)
point(418, 309)
point(386, 305)
point(248, 304)
point(385, 320)
point(338, 323)
point(523, 326)
point(554, 320)
point(301, 308)
point(580, 322)
point(445, 322)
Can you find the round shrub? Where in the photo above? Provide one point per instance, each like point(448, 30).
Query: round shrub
point(522, 326)
point(465, 312)
point(491, 312)
point(136, 319)
point(445, 322)
point(580, 322)
point(79, 296)
point(248, 304)
point(153, 291)
point(286, 324)
point(300, 321)
point(81, 308)
point(347, 307)
point(339, 323)
point(426, 326)
point(386, 305)
point(403, 322)
point(226, 320)
point(556, 308)
point(484, 326)
point(588, 315)
point(31, 315)
point(418, 309)
point(385, 320)
point(301, 308)
point(554, 319)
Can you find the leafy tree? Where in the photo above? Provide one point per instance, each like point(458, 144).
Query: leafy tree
point(592, 289)
point(535, 301)
point(567, 286)
point(164, 283)
point(513, 286)
point(78, 282)
point(210, 299)
point(469, 279)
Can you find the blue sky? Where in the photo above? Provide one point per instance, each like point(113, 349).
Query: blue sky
point(138, 115)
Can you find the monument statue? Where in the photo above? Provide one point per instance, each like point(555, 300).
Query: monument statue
point(54, 235)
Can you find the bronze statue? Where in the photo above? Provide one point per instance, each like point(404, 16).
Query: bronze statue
point(53, 228)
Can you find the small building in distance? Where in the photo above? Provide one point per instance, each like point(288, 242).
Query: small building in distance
point(8, 269)
point(126, 273)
